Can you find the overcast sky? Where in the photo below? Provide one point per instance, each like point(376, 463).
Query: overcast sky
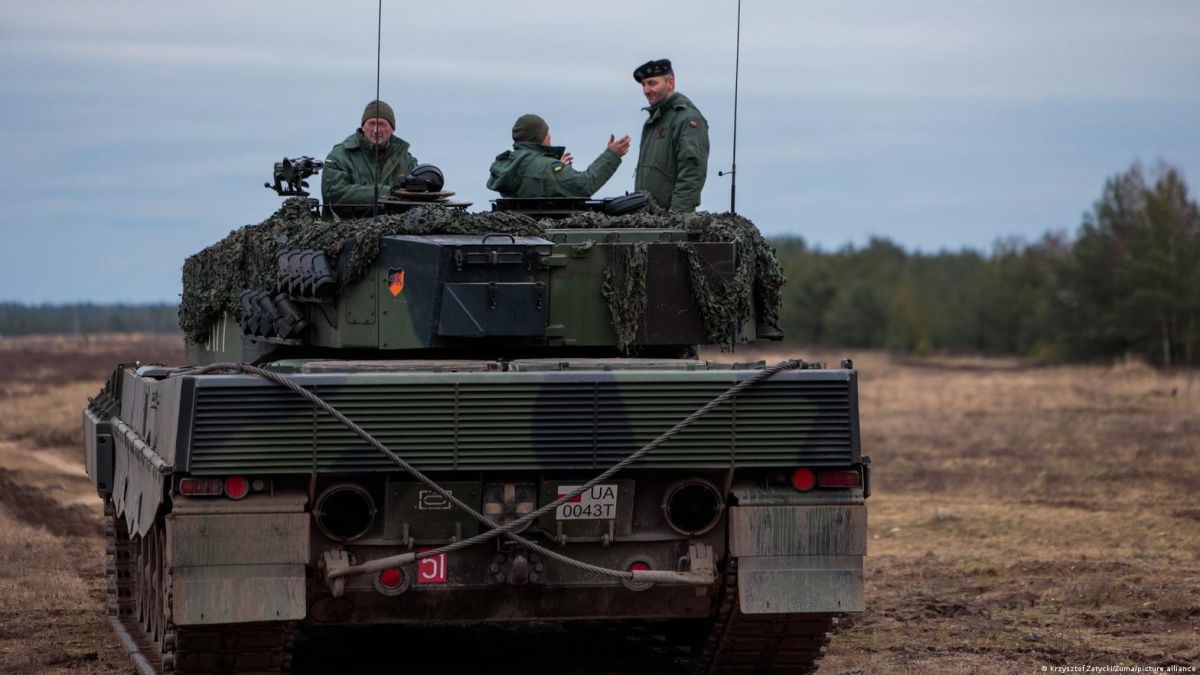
point(136, 133)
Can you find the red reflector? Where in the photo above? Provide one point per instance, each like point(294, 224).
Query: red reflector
point(391, 578)
point(838, 479)
point(200, 487)
point(638, 566)
point(236, 487)
point(804, 479)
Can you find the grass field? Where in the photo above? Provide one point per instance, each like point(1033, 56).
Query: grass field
point(1021, 517)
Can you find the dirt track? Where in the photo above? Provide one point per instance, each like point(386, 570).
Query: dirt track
point(1021, 518)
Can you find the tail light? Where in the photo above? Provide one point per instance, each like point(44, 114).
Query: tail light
point(839, 479)
point(237, 487)
point(636, 565)
point(392, 577)
point(392, 581)
point(201, 487)
point(804, 479)
point(234, 487)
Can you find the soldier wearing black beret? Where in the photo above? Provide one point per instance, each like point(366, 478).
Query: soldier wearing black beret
point(673, 159)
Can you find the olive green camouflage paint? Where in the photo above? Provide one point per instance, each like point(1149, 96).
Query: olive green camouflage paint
point(528, 415)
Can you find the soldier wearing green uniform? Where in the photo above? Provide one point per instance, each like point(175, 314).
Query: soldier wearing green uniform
point(366, 164)
point(673, 160)
point(535, 168)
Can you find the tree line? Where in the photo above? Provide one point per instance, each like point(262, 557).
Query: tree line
point(86, 318)
point(1127, 283)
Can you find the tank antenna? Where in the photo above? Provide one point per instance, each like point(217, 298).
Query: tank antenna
point(378, 156)
point(737, 54)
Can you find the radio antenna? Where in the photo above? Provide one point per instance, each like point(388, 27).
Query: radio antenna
point(378, 156)
point(737, 54)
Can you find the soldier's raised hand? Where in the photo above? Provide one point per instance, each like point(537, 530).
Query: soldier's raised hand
point(566, 158)
point(619, 146)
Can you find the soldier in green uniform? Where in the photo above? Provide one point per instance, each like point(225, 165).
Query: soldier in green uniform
point(534, 168)
point(367, 163)
point(673, 160)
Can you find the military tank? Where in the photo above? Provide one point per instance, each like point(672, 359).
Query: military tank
point(434, 416)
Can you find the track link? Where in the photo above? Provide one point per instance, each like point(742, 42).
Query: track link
point(139, 597)
point(762, 644)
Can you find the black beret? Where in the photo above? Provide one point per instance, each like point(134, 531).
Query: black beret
point(653, 69)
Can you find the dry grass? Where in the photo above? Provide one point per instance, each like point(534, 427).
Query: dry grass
point(1028, 516)
point(52, 594)
point(45, 381)
point(1022, 516)
point(44, 360)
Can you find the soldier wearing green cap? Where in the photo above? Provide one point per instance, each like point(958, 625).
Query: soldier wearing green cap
point(535, 168)
point(367, 163)
point(673, 159)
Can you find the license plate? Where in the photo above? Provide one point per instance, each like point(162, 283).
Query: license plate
point(431, 570)
point(598, 503)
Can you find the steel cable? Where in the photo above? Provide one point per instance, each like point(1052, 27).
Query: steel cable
point(496, 529)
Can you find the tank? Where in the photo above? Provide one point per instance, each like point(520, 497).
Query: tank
point(441, 416)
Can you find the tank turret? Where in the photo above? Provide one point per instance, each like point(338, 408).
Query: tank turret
point(498, 284)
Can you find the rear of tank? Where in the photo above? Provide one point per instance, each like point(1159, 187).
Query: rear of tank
point(259, 491)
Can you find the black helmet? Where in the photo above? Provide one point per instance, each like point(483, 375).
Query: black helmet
point(431, 175)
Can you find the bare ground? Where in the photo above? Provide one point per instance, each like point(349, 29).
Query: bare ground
point(1021, 517)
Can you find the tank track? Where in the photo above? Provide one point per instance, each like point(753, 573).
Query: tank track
point(762, 644)
point(133, 591)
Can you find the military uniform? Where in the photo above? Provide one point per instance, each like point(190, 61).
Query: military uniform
point(352, 171)
point(533, 170)
point(673, 158)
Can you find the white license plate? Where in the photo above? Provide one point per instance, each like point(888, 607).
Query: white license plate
point(597, 503)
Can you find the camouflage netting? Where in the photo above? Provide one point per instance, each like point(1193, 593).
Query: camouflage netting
point(624, 289)
point(756, 288)
point(214, 278)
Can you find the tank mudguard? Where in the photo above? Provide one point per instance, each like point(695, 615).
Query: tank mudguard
point(238, 561)
point(799, 559)
point(98, 451)
point(137, 484)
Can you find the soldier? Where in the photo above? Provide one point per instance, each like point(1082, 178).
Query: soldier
point(534, 168)
point(673, 160)
point(365, 164)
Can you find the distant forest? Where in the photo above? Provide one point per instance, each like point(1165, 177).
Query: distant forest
point(1126, 283)
point(86, 318)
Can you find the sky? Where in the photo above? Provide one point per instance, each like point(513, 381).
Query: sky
point(136, 133)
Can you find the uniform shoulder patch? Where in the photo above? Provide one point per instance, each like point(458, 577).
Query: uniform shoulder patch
point(556, 167)
point(692, 123)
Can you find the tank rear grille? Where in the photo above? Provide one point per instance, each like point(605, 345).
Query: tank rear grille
point(521, 425)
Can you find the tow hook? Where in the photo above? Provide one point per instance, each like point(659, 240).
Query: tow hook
point(701, 570)
point(517, 568)
point(335, 560)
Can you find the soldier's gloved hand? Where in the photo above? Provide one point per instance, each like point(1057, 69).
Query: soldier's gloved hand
point(619, 146)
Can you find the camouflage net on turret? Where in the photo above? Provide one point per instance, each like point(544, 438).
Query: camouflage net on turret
point(756, 288)
point(214, 278)
point(624, 290)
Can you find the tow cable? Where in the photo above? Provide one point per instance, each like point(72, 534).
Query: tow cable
point(703, 569)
